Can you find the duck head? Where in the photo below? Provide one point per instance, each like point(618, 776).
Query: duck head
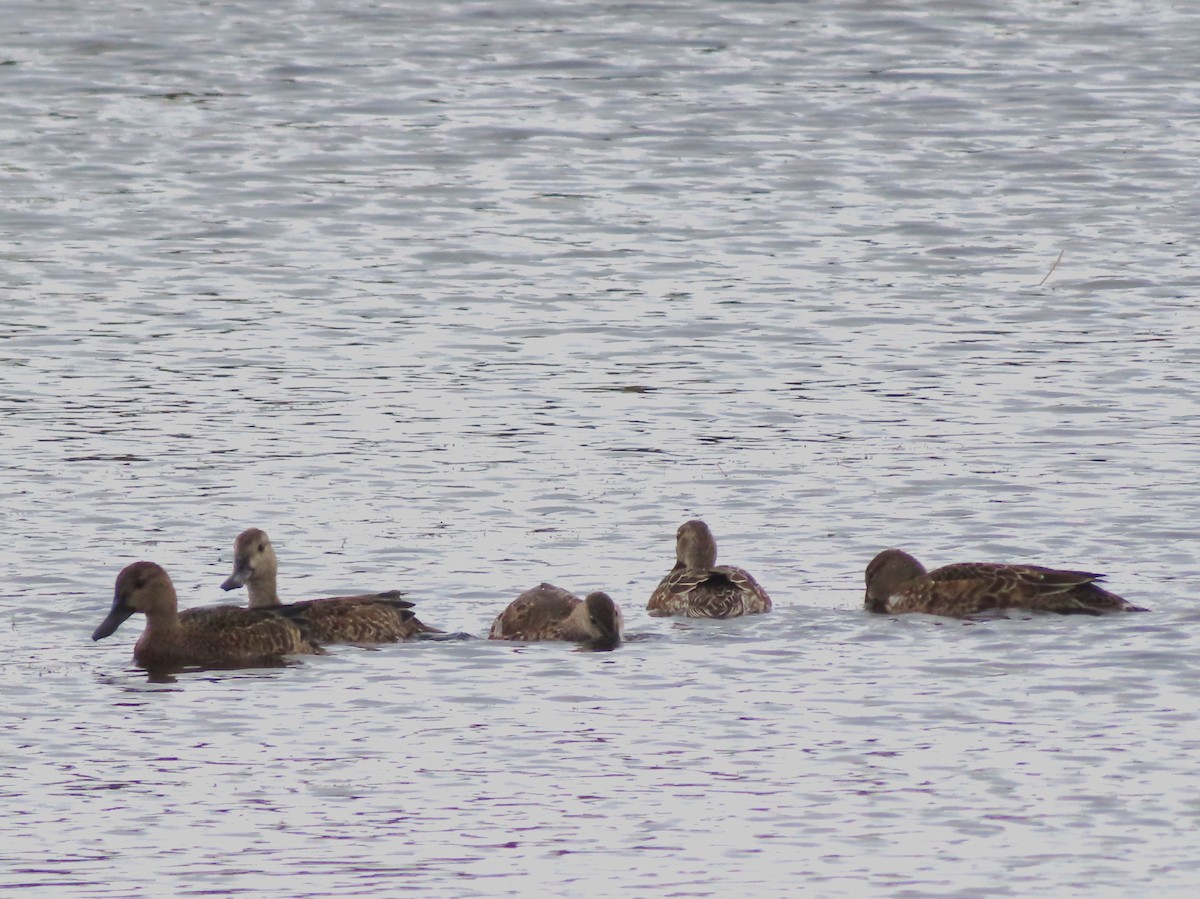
point(604, 621)
point(886, 573)
point(695, 546)
point(141, 587)
point(253, 560)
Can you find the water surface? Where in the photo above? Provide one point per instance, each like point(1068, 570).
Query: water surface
point(464, 297)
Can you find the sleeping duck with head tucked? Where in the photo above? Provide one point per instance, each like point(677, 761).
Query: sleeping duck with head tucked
point(205, 637)
point(898, 583)
point(369, 618)
point(697, 587)
point(546, 612)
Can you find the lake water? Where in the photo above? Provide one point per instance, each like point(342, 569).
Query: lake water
point(460, 297)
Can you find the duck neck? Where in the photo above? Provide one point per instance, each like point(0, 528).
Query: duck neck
point(161, 625)
point(697, 558)
point(576, 626)
point(262, 592)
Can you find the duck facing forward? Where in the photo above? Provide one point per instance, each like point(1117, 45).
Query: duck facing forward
point(205, 637)
point(547, 612)
point(369, 618)
point(898, 583)
point(697, 587)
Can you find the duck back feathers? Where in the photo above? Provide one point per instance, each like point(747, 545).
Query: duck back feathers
point(720, 592)
point(375, 618)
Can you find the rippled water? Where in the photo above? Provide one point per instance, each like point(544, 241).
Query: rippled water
point(461, 297)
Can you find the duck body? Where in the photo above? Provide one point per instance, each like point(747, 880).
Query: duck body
point(367, 618)
point(547, 612)
point(371, 618)
point(205, 637)
point(897, 584)
point(697, 587)
point(719, 592)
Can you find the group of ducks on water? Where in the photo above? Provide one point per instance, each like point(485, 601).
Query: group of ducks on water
point(267, 630)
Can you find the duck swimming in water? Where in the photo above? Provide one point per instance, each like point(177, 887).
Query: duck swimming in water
point(369, 618)
point(898, 583)
point(697, 587)
point(205, 637)
point(546, 612)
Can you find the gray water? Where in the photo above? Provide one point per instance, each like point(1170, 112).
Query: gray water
point(461, 297)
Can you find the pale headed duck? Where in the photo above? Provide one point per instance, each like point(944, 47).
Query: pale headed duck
point(369, 618)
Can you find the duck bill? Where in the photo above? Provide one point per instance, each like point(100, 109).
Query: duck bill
point(606, 643)
point(874, 604)
point(116, 616)
point(235, 580)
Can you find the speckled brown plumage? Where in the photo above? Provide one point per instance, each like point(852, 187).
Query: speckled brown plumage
point(352, 619)
point(697, 587)
point(368, 618)
point(898, 583)
point(546, 612)
point(206, 637)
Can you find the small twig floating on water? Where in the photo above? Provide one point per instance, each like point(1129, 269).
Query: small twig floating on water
point(1052, 268)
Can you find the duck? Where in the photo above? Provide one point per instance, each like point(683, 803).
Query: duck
point(898, 583)
point(203, 637)
point(697, 587)
point(547, 612)
point(368, 618)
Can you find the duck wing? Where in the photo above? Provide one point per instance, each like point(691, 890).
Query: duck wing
point(370, 618)
point(970, 588)
point(231, 634)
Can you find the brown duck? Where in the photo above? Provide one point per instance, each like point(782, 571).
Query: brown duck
point(898, 583)
point(369, 618)
point(206, 637)
point(547, 612)
point(697, 587)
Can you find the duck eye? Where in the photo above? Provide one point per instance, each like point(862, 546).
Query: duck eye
point(260, 547)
